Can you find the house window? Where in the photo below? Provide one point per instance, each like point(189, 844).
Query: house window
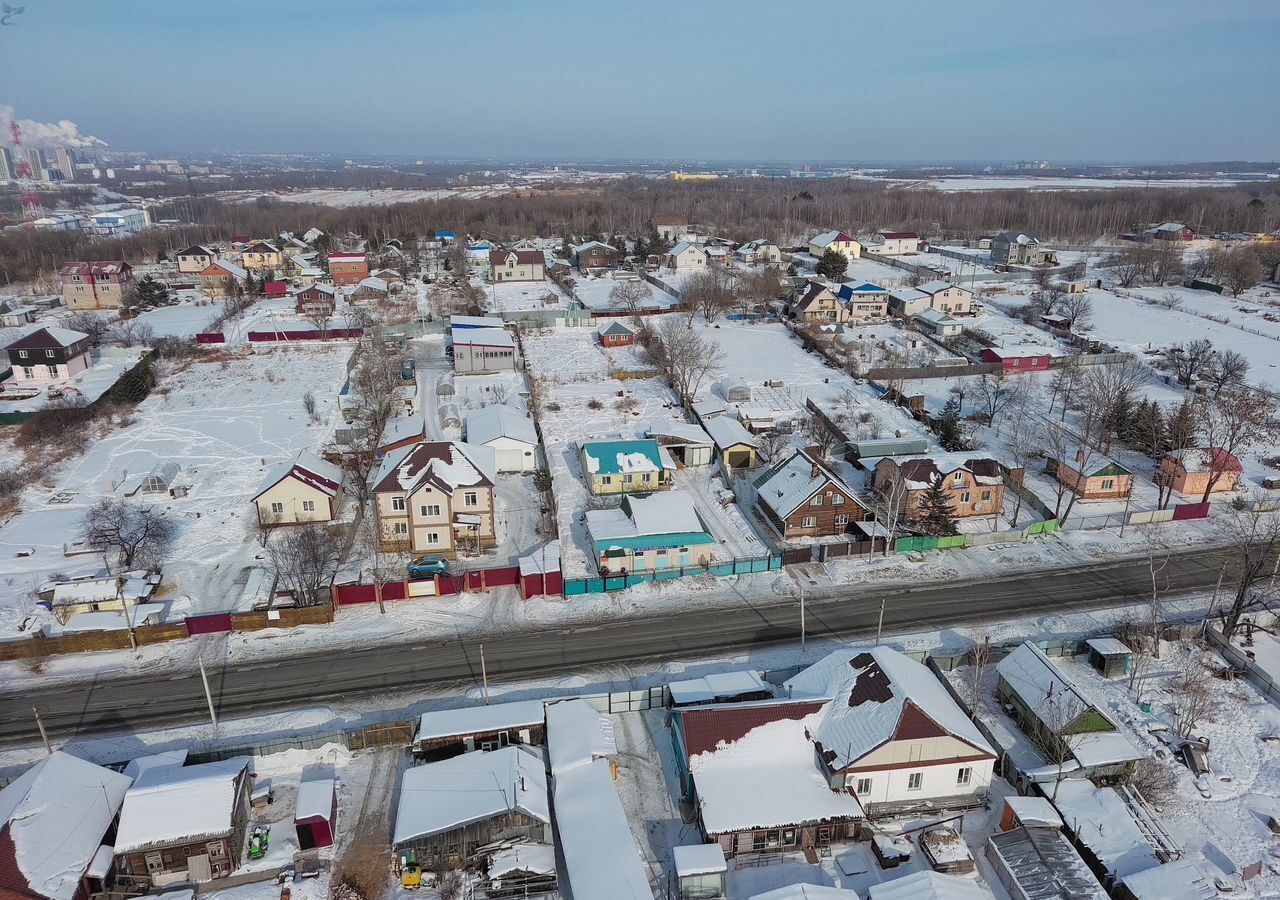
point(757, 840)
point(808, 522)
point(397, 503)
point(432, 509)
point(53, 371)
point(606, 479)
point(914, 781)
point(22, 354)
point(964, 496)
point(49, 354)
point(277, 508)
point(964, 775)
point(837, 499)
point(399, 528)
point(155, 863)
point(216, 849)
point(816, 501)
point(308, 506)
point(1108, 483)
point(433, 537)
point(958, 477)
point(864, 787)
point(470, 498)
point(842, 519)
point(986, 495)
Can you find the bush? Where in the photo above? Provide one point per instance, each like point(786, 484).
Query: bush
point(594, 404)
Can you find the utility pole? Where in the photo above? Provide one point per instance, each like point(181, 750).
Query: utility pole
point(484, 676)
point(880, 623)
point(213, 716)
point(1125, 516)
point(44, 735)
point(128, 621)
point(802, 630)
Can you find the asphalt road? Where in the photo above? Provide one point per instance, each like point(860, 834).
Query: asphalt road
point(111, 703)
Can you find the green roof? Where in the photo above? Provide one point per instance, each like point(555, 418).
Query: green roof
point(651, 541)
point(618, 457)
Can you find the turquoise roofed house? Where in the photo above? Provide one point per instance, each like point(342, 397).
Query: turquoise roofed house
point(639, 466)
point(660, 531)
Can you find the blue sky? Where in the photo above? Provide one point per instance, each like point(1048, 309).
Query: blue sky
point(715, 79)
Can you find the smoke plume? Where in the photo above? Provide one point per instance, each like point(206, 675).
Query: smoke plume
point(49, 135)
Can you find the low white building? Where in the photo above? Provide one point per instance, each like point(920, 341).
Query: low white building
point(892, 734)
point(509, 432)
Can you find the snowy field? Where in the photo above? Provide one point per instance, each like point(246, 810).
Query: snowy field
point(225, 427)
point(513, 296)
point(593, 293)
point(182, 319)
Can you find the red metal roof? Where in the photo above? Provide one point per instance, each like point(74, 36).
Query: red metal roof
point(899, 235)
point(706, 726)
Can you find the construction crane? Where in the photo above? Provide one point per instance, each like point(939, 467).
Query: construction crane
point(31, 209)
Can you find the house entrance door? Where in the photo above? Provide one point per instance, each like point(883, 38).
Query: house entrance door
point(198, 868)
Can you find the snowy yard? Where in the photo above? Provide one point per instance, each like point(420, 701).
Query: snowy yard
point(513, 296)
point(225, 424)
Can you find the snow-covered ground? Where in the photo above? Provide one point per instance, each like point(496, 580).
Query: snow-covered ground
point(109, 364)
point(513, 296)
point(225, 424)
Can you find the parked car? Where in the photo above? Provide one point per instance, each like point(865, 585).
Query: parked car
point(426, 566)
point(409, 370)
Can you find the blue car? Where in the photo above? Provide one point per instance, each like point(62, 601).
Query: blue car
point(426, 566)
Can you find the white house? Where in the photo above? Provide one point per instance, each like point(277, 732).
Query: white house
point(891, 243)
point(939, 323)
point(761, 251)
point(509, 432)
point(892, 734)
point(303, 489)
point(835, 240)
point(686, 257)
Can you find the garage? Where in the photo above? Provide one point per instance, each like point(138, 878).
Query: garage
point(509, 433)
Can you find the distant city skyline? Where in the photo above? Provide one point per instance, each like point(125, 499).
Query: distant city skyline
point(1177, 81)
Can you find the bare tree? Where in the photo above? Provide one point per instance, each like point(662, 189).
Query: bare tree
point(758, 288)
point(890, 507)
point(688, 357)
point(96, 325)
point(319, 316)
point(709, 292)
point(1110, 393)
point(1060, 710)
point(1077, 311)
point(1156, 780)
point(1228, 367)
point(261, 526)
point(630, 295)
point(774, 444)
point(1188, 360)
point(981, 653)
point(993, 394)
point(1025, 439)
point(1189, 692)
point(1063, 450)
point(818, 434)
point(305, 558)
point(1239, 270)
point(130, 535)
point(1064, 384)
point(1234, 421)
point(1129, 264)
point(1253, 539)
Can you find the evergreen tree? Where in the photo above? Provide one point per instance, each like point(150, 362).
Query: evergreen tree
point(947, 427)
point(1148, 432)
point(833, 265)
point(566, 249)
point(1181, 430)
point(938, 517)
point(149, 293)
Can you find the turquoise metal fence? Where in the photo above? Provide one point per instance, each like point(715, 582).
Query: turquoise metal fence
point(577, 586)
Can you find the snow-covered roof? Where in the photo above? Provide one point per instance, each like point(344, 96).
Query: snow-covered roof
point(921, 471)
point(1101, 822)
point(374, 284)
point(1022, 351)
point(308, 468)
point(661, 513)
point(908, 295)
point(1043, 687)
point(500, 421)
point(577, 734)
point(829, 237)
point(465, 322)
point(684, 247)
point(1033, 810)
point(879, 695)
point(1103, 748)
point(712, 687)
point(1206, 459)
point(1108, 646)
point(698, 859)
point(403, 428)
point(618, 457)
point(473, 787)
point(728, 432)
point(543, 559)
point(55, 815)
point(937, 285)
point(168, 759)
point(446, 465)
point(1182, 879)
point(1044, 865)
point(776, 759)
point(180, 805)
point(806, 892)
point(114, 620)
point(230, 268)
point(938, 317)
point(600, 854)
point(791, 482)
point(315, 800)
point(480, 719)
point(926, 885)
point(47, 338)
point(483, 337)
point(524, 857)
point(689, 432)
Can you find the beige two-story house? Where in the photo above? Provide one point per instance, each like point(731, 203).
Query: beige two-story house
point(974, 485)
point(436, 497)
point(261, 257)
point(817, 304)
point(517, 265)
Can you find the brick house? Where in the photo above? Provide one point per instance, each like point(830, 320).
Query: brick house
point(517, 265)
point(317, 299)
point(617, 335)
point(1091, 476)
point(219, 278)
point(801, 497)
point(195, 259)
point(1191, 471)
point(974, 485)
point(436, 497)
point(184, 823)
point(49, 354)
point(96, 285)
point(348, 268)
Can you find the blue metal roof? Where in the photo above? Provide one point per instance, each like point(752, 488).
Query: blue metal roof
point(606, 453)
point(846, 291)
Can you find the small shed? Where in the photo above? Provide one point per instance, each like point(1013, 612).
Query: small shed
point(737, 392)
point(160, 478)
point(315, 817)
point(701, 871)
point(449, 416)
point(1109, 656)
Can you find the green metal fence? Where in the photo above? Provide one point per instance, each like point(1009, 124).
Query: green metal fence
point(719, 569)
point(921, 543)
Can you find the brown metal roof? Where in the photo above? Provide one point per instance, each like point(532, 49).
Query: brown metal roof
point(707, 726)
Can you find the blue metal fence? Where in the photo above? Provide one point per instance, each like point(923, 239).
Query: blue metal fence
point(720, 569)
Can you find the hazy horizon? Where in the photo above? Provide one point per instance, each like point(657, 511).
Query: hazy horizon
point(1091, 82)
